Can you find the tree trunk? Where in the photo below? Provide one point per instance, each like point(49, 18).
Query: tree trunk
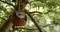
point(6, 26)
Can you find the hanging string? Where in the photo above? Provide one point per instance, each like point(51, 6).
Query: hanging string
point(16, 5)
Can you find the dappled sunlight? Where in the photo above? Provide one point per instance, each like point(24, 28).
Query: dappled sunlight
point(46, 14)
point(31, 24)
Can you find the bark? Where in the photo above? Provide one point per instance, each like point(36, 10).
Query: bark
point(6, 26)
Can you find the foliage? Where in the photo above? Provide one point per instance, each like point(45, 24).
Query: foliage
point(46, 13)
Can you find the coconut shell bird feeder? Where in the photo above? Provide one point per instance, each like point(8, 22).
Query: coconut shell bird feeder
point(18, 18)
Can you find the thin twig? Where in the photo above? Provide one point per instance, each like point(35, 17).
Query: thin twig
point(7, 3)
point(27, 28)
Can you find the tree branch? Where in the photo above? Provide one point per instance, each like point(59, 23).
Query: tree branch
point(6, 26)
point(40, 12)
point(3, 18)
point(40, 30)
point(35, 12)
point(7, 3)
point(26, 28)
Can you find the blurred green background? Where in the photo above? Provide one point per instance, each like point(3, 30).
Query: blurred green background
point(46, 14)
